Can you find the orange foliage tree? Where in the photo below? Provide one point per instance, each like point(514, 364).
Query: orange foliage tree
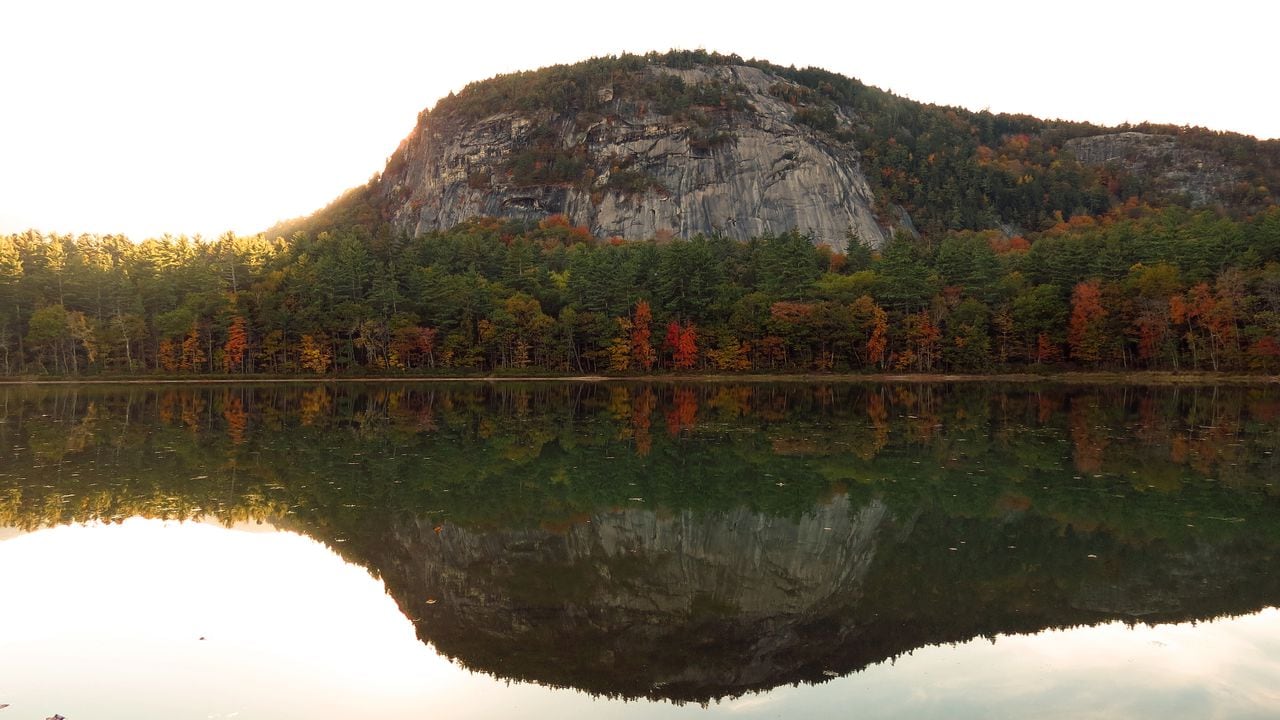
point(642, 354)
point(192, 351)
point(236, 347)
point(167, 355)
point(1086, 333)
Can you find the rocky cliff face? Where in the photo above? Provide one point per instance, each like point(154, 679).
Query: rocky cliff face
point(736, 162)
point(1163, 164)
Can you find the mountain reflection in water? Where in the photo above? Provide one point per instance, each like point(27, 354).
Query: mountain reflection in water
point(698, 542)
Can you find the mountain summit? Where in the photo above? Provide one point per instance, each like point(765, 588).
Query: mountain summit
point(687, 143)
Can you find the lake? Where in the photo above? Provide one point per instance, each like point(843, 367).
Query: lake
point(607, 550)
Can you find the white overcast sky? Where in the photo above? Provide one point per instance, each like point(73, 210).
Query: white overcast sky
point(203, 117)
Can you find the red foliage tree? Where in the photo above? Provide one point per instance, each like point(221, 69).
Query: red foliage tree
point(686, 350)
point(671, 341)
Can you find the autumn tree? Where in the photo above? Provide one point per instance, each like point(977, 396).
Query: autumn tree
point(169, 355)
point(1086, 333)
point(315, 354)
point(730, 354)
point(413, 346)
point(618, 354)
point(671, 340)
point(236, 347)
point(685, 354)
point(193, 355)
point(872, 324)
point(643, 356)
point(921, 349)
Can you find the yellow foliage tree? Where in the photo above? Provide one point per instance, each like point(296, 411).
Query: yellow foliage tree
point(316, 355)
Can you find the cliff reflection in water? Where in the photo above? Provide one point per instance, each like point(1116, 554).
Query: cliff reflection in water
point(699, 541)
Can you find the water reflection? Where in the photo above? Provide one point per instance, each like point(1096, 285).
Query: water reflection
point(694, 543)
point(155, 619)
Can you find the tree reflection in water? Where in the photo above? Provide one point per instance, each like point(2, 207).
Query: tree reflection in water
point(698, 541)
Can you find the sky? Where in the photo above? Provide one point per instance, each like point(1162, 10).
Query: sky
point(207, 117)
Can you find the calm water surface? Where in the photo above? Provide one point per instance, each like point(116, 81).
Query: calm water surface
point(610, 550)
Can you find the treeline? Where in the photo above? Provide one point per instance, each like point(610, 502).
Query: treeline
point(1135, 289)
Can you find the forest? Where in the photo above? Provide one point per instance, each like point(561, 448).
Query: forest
point(1136, 288)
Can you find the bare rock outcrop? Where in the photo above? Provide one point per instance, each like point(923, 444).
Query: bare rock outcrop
point(1166, 165)
point(742, 168)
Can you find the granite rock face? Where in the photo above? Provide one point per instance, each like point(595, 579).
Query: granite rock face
point(1168, 167)
point(740, 171)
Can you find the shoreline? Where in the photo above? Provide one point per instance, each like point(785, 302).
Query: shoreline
point(1060, 378)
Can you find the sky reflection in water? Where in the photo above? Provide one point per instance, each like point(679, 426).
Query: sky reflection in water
point(655, 541)
point(105, 621)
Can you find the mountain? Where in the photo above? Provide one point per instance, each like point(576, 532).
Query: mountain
point(688, 143)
